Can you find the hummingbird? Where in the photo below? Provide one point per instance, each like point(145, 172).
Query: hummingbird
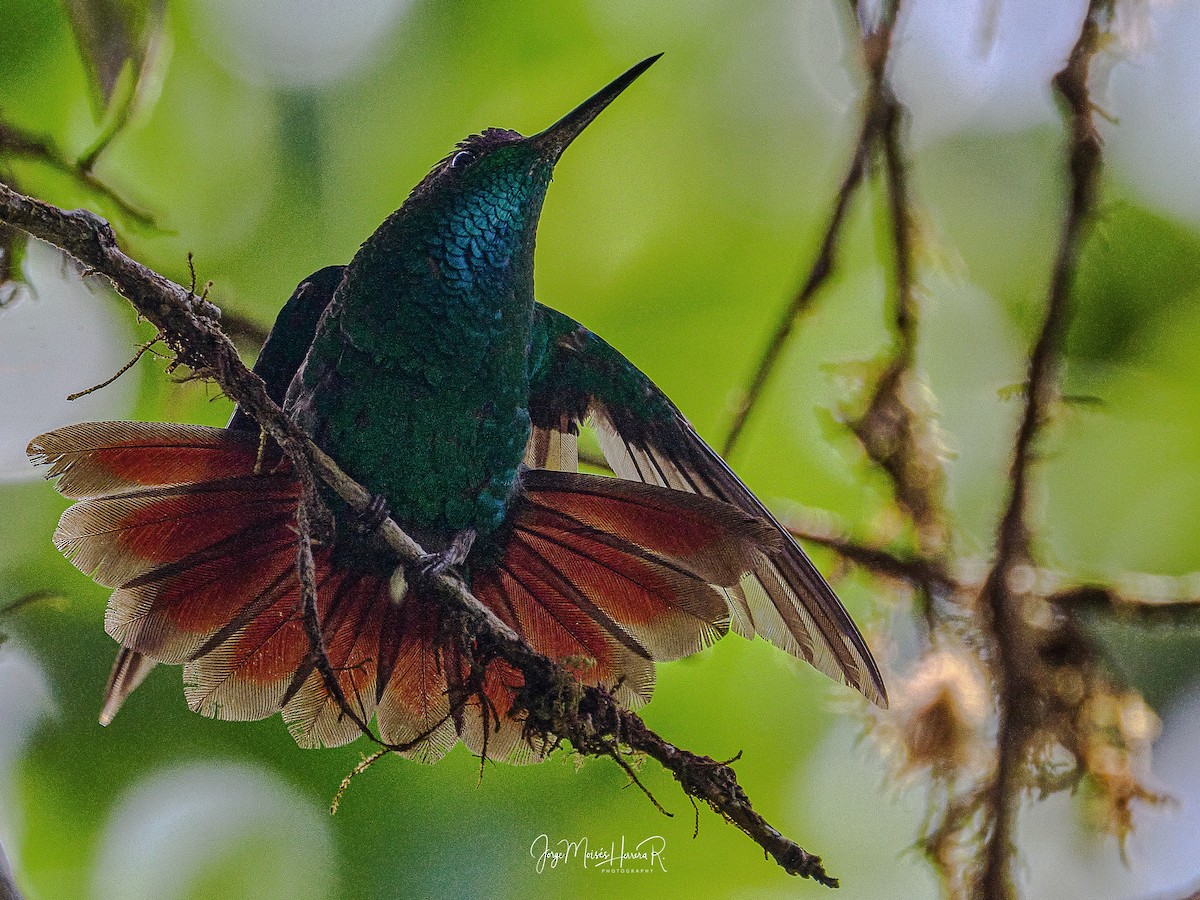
point(427, 369)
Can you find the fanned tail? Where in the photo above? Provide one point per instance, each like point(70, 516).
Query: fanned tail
point(196, 536)
point(604, 576)
point(608, 577)
point(201, 552)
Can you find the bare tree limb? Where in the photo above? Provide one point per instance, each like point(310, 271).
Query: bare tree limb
point(554, 702)
point(1002, 598)
point(921, 573)
point(803, 300)
point(1142, 611)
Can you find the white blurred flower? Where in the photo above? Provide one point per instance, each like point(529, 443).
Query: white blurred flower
point(1062, 859)
point(24, 702)
point(178, 828)
point(56, 338)
point(294, 43)
point(936, 718)
point(1134, 25)
point(1155, 141)
point(980, 64)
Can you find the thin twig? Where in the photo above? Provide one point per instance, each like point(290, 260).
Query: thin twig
point(364, 764)
point(141, 351)
point(318, 659)
point(1141, 611)
point(1008, 629)
point(17, 142)
point(875, 46)
point(901, 221)
point(892, 430)
point(917, 571)
point(616, 756)
point(28, 600)
point(591, 720)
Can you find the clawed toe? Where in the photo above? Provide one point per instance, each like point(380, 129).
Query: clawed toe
point(431, 565)
point(376, 513)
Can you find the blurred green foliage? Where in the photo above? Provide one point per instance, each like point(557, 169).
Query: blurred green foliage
point(676, 229)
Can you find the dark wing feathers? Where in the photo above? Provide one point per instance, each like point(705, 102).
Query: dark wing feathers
point(576, 375)
point(289, 339)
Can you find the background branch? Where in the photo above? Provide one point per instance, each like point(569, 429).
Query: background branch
point(891, 430)
point(1142, 611)
point(895, 430)
point(1012, 638)
point(1007, 618)
point(918, 571)
point(876, 104)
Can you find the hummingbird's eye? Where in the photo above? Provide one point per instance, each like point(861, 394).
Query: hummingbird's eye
point(461, 159)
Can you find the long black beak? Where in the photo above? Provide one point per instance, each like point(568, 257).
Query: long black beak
point(555, 139)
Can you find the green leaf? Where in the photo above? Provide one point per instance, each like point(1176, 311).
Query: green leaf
point(114, 35)
point(1137, 269)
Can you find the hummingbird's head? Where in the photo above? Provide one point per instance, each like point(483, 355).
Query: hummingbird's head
point(465, 236)
point(488, 191)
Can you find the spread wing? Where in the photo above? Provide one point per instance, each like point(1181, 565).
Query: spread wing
point(575, 375)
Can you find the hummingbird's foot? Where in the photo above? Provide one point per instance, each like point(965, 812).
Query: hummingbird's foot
point(431, 565)
point(369, 520)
